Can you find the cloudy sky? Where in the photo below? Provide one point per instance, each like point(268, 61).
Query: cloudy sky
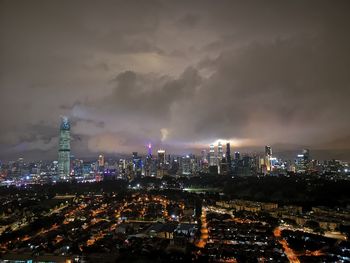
point(179, 74)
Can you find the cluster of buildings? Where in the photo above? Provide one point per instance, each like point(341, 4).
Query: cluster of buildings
point(232, 239)
point(320, 219)
point(218, 160)
point(63, 228)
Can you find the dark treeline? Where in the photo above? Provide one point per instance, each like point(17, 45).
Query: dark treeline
point(299, 190)
point(290, 190)
point(67, 188)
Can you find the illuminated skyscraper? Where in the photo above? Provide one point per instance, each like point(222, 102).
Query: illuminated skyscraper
point(149, 149)
point(161, 157)
point(228, 157)
point(220, 151)
point(186, 165)
point(268, 151)
point(101, 161)
point(237, 156)
point(137, 162)
point(306, 153)
point(204, 156)
point(268, 156)
point(212, 159)
point(303, 160)
point(64, 149)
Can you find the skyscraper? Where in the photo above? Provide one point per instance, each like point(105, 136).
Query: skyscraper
point(228, 157)
point(64, 149)
point(186, 165)
point(101, 160)
point(149, 149)
point(220, 152)
point(303, 160)
point(137, 162)
point(268, 156)
point(268, 151)
point(237, 156)
point(212, 159)
point(161, 157)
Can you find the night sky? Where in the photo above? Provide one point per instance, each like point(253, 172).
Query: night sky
point(178, 74)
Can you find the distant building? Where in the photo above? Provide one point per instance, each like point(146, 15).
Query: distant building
point(268, 150)
point(161, 157)
point(268, 156)
point(137, 164)
point(186, 165)
point(212, 157)
point(302, 161)
point(228, 153)
point(149, 149)
point(101, 160)
point(228, 157)
point(64, 149)
point(220, 151)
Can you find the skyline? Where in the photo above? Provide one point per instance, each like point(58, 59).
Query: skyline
point(174, 74)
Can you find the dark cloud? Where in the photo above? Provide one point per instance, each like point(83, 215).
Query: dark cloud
point(189, 20)
point(179, 74)
point(150, 96)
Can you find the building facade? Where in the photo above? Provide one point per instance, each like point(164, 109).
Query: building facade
point(64, 150)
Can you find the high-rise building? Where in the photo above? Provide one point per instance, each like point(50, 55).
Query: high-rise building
point(149, 148)
point(137, 164)
point(64, 149)
point(228, 157)
point(220, 151)
point(212, 158)
point(237, 156)
point(268, 151)
point(101, 160)
point(306, 153)
point(303, 160)
point(161, 157)
point(186, 165)
point(268, 156)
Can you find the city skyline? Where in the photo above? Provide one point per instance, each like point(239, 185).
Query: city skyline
point(251, 74)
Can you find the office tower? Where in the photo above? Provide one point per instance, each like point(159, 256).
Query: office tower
point(306, 153)
point(268, 156)
point(161, 163)
point(137, 164)
point(161, 157)
point(148, 165)
point(20, 166)
point(122, 164)
point(220, 151)
point(237, 156)
point(64, 149)
point(212, 159)
point(303, 160)
point(268, 151)
point(204, 155)
point(228, 156)
point(101, 160)
point(186, 165)
point(149, 148)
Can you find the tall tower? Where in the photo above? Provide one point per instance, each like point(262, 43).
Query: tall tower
point(268, 156)
point(228, 156)
point(212, 159)
point(149, 149)
point(101, 160)
point(161, 157)
point(64, 149)
point(220, 152)
point(268, 151)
